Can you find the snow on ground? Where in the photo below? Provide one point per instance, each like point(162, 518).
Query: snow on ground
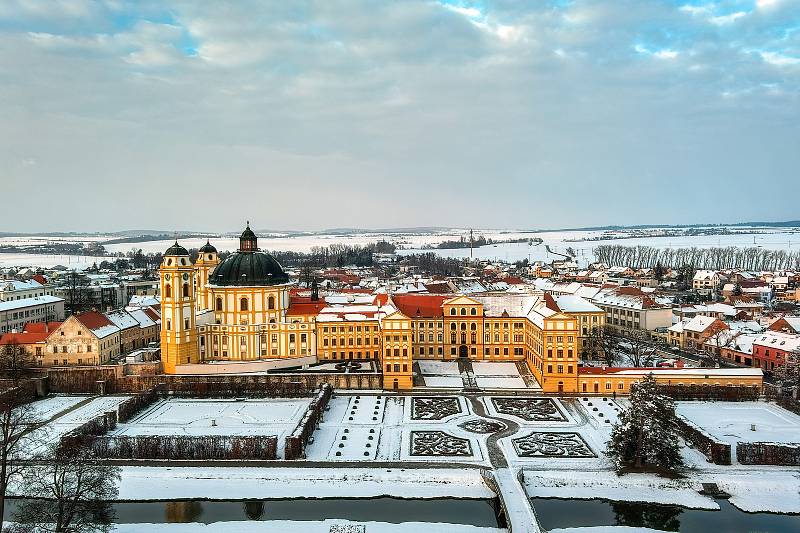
point(500, 382)
point(439, 368)
point(281, 526)
point(48, 407)
point(731, 421)
point(604, 411)
point(605, 529)
point(38, 440)
point(772, 490)
point(217, 417)
point(486, 368)
point(583, 485)
point(449, 382)
point(141, 483)
point(351, 429)
point(72, 262)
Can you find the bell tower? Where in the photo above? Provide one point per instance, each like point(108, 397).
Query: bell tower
point(207, 261)
point(178, 331)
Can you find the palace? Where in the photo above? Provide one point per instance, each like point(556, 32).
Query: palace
point(239, 314)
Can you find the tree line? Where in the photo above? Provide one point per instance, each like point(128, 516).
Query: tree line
point(751, 258)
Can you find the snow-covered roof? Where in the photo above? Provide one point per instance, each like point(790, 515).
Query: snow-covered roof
point(17, 285)
point(699, 324)
point(776, 339)
point(22, 303)
point(704, 275)
point(122, 319)
point(516, 305)
point(569, 303)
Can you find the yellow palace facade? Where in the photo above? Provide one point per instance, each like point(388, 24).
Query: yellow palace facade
point(238, 314)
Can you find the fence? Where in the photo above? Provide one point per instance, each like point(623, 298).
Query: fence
point(221, 447)
point(716, 451)
point(295, 444)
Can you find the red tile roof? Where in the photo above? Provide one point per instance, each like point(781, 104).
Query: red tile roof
point(23, 338)
point(40, 327)
point(304, 306)
point(39, 279)
point(93, 320)
point(422, 305)
point(152, 313)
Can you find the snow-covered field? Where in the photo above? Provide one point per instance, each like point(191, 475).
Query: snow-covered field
point(38, 440)
point(648, 488)
point(231, 483)
point(283, 526)
point(559, 241)
point(217, 417)
point(731, 422)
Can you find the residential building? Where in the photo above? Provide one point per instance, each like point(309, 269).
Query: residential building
point(14, 314)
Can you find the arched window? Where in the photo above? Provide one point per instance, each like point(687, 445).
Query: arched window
point(243, 305)
point(453, 311)
point(473, 311)
point(271, 302)
point(219, 304)
point(463, 326)
point(185, 290)
point(168, 291)
point(463, 310)
point(453, 326)
point(473, 327)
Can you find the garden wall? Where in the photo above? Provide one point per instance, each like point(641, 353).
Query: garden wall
point(716, 451)
point(719, 393)
point(768, 453)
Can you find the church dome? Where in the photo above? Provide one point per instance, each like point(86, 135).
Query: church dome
point(176, 249)
point(208, 248)
point(248, 269)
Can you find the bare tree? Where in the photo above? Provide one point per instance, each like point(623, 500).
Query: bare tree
point(712, 348)
point(15, 361)
point(72, 492)
point(603, 344)
point(17, 420)
point(637, 344)
point(75, 291)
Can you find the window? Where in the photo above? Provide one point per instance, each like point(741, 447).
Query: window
point(167, 291)
point(219, 304)
point(473, 311)
point(463, 310)
point(185, 290)
point(452, 311)
point(244, 304)
point(271, 302)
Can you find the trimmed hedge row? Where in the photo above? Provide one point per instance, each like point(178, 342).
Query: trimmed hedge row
point(716, 451)
point(768, 453)
point(251, 447)
point(133, 406)
point(721, 393)
point(295, 444)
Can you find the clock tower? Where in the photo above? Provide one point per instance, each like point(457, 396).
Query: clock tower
point(178, 295)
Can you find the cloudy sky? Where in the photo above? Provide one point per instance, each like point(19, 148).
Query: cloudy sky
point(177, 114)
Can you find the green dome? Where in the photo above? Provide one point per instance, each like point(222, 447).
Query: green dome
point(249, 269)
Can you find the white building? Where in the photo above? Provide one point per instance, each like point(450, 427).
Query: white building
point(15, 314)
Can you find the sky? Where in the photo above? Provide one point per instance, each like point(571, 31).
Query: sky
point(186, 115)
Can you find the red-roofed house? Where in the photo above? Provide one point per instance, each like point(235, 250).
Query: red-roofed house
point(84, 339)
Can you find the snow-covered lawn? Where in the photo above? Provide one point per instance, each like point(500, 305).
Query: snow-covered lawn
point(230, 483)
point(47, 407)
point(487, 368)
point(281, 526)
point(772, 490)
point(502, 382)
point(217, 417)
point(450, 382)
point(731, 421)
point(604, 411)
point(584, 485)
point(441, 368)
point(38, 440)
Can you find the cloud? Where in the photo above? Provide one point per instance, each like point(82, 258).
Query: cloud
point(319, 113)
